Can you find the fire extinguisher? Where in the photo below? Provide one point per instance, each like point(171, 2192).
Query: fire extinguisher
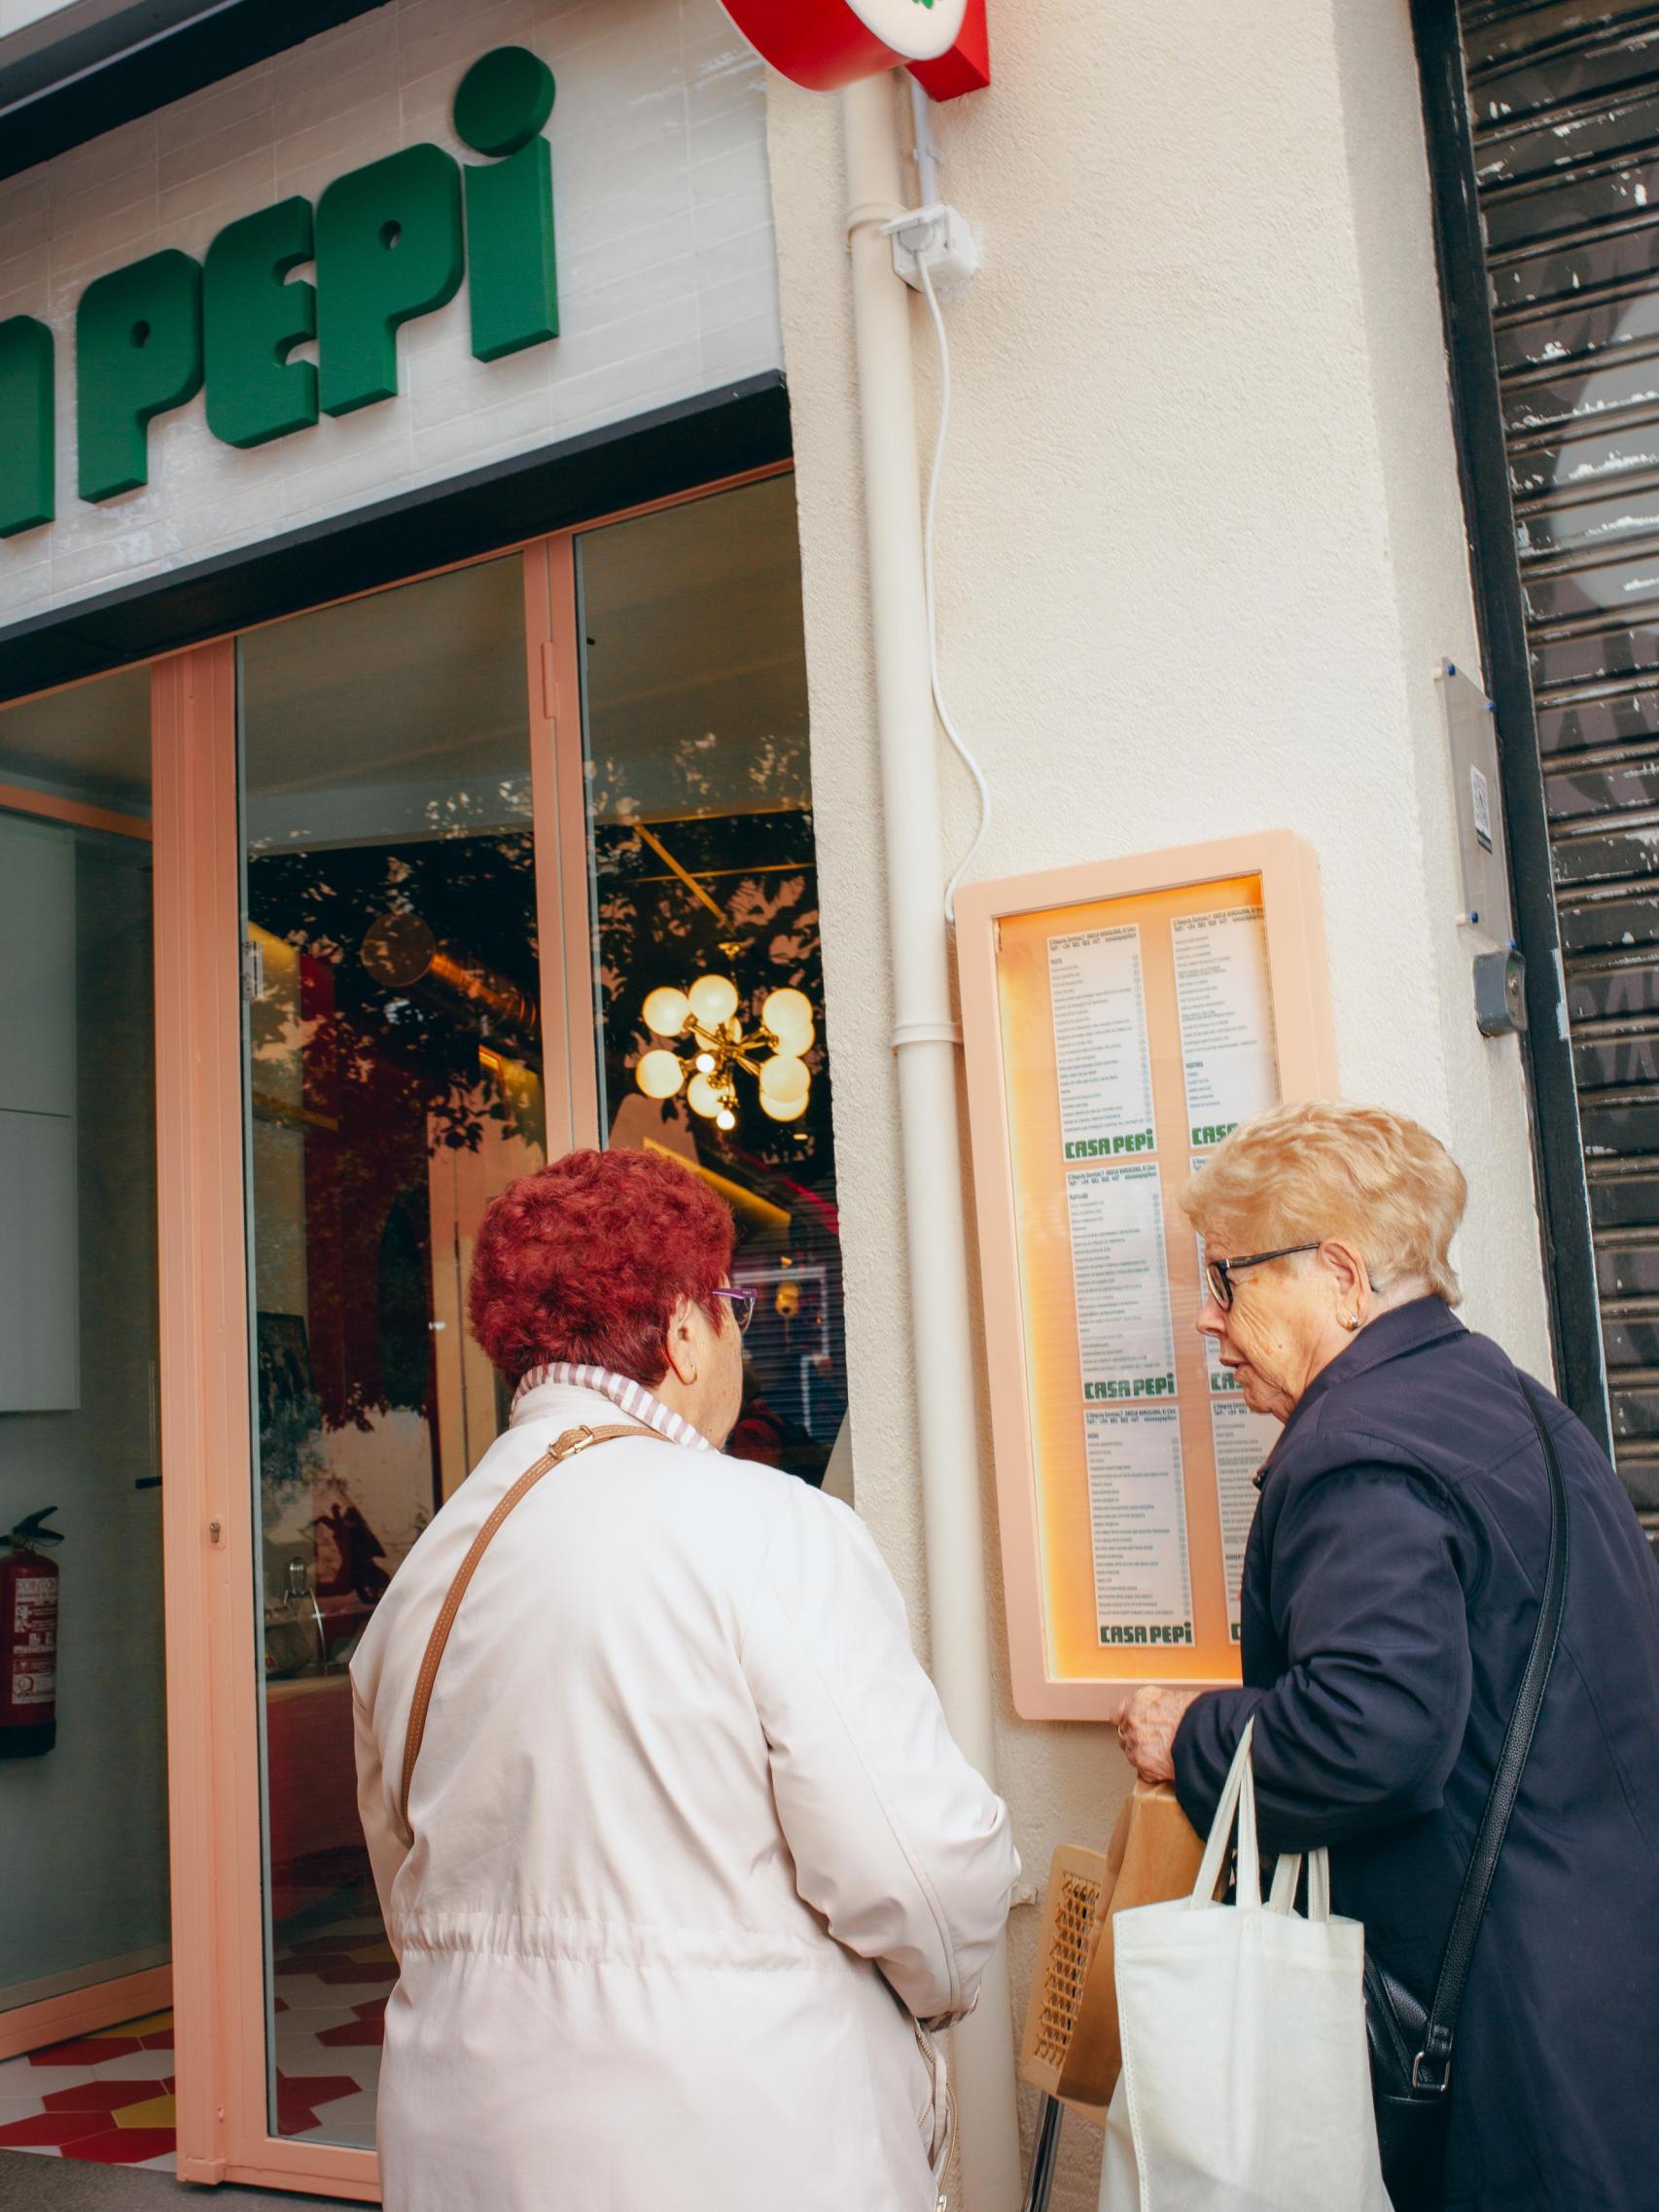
point(28, 1639)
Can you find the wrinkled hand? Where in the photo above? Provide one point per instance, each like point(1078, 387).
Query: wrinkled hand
point(1145, 1729)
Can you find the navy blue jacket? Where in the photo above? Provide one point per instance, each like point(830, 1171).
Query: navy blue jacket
point(1390, 1589)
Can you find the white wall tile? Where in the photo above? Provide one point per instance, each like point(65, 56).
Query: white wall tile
point(249, 179)
point(248, 98)
point(740, 349)
point(19, 15)
point(439, 393)
point(23, 278)
point(667, 273)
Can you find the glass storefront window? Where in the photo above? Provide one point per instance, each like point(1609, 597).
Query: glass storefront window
point(83, 1728)
point(395, 1068)
point(703, 865)
point(394, 1086)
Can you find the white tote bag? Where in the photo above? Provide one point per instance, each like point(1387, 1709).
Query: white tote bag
point(1246, 2082)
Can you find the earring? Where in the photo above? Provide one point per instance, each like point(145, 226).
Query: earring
point(1351, 1322)
point(692, 1376)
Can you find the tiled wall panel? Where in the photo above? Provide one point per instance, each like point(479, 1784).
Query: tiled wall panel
point(21, 15)
point(668, 282)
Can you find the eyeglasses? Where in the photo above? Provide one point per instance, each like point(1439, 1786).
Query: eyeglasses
point(1220, 1273)
point(742, 1304)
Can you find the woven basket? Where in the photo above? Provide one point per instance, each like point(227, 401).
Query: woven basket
point(1079, 1891)
point(1070, 2048)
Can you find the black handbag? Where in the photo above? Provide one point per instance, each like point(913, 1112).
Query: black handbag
point(1411, 2043)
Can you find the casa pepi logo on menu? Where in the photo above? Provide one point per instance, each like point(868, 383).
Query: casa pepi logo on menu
point(824, 44)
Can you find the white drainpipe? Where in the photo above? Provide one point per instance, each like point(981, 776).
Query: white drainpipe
point(925, 1043)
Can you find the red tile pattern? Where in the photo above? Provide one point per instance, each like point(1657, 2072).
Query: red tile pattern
point(84, 2120)
point(367, 2029)
point(298, 2102)
point(329, 2033)
point(124, 2147)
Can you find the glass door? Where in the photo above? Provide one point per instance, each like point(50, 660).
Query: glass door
point(704, 889)
point(429, 864)
point(83, 1926)
point(393, 1085)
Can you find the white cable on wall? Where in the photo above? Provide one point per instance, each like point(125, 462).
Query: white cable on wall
point(947, 721)
point(926, 170)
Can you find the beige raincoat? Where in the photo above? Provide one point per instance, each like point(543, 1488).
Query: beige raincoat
point(692, 1845)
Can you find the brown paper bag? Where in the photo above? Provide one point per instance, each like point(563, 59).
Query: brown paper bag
point(1071, 2048)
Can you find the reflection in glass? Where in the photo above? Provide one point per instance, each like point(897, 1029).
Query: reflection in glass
point(705, 887)
point(394, 1087)
point(82, 1804)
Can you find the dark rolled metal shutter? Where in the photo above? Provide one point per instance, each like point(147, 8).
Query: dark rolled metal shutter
point(1563, 102)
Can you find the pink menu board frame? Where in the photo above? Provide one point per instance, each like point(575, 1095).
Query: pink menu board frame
point(1117, 1018)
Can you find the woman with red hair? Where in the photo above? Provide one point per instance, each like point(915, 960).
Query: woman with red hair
point(673, 1846)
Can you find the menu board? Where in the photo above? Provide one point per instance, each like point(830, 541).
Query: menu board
point(1125, 1330)
point(1114, 1040)
point(1100, 1043)
point(1143, 1584)
point(1241, 1441)
point(1229, 1056)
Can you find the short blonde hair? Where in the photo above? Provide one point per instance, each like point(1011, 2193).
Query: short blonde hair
point(1301, 1174)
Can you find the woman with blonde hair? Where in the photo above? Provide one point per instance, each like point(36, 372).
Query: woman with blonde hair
point(1393, 1585)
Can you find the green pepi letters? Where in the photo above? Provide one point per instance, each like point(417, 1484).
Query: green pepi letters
point(28, 446)
point(391, 241)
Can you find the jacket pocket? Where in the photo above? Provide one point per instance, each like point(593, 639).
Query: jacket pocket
point(937, 2114)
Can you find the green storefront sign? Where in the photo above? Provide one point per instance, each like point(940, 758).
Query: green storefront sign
point(391, 241)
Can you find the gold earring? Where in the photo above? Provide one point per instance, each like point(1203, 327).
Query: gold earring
point(693, 1377)
point(1351, 1322)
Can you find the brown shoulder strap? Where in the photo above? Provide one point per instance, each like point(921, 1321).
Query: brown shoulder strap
point(573, 1441)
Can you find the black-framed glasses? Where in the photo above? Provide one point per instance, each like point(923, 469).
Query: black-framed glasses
point(1220, 1273)
point(742, 1304)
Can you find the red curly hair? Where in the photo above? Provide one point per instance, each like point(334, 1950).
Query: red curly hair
point(587, 1260)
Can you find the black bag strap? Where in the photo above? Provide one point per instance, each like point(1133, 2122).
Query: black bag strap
point(1432, 2068)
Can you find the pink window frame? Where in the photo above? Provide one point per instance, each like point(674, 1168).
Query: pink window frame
point(218, 1974)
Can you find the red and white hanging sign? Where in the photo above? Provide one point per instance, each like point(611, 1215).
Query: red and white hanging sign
point(824, 43)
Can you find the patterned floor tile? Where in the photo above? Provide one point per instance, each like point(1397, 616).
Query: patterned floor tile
point(107, 2099)
point(121, 2146)
point(50, 2130)
point(350, 2121)
point(98, 2096)
point(341, 1976)
point(366, 2028)
point(154, 2111)
point(112, 2107)
point(18, 2078)
point(87, 2051)
point(138, 2066)
point(301, 2100)
point(310, 1995)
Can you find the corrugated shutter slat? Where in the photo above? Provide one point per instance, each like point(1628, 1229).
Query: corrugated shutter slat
point(1564, 103)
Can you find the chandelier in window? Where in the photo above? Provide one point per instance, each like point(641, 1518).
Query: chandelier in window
point(716, 1044)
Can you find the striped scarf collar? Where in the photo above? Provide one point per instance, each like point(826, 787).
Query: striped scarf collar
point(629, 1396)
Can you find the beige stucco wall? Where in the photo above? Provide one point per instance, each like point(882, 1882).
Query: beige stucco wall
point(1201, 549)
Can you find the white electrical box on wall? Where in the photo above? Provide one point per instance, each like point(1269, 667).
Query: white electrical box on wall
point(1472, 735)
